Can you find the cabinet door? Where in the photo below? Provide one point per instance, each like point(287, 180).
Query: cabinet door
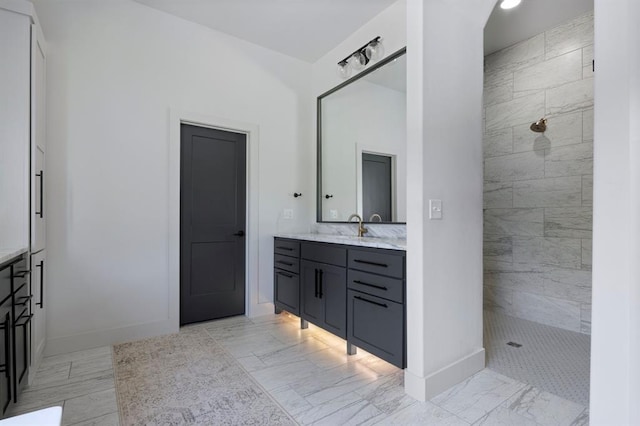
point(333, 293)
point(311, 307)
point(38, 138)
point(287, 291)
point(6, 349)
point(38, 88)
point(22, 351)
point(38, 289)
point(38, 232)
point(377, 326)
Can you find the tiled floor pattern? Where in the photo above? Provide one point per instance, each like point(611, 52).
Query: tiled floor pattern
point(550, 358)
point(81, 382)
point(308, 373)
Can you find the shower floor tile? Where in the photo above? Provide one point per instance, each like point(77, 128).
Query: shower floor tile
point(551, 359)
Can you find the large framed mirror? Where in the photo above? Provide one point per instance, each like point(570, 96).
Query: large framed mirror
point(362, 145)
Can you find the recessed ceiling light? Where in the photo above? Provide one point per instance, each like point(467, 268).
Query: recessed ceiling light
point(509, 4)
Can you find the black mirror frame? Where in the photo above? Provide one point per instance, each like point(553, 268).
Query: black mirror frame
point(356, 77)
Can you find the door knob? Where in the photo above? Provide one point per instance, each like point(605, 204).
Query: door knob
point(239, 234)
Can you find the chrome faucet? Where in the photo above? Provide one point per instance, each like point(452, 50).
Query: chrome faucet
point(373, 216)
point(361, 229)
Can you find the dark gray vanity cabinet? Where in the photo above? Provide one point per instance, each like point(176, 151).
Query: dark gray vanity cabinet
point(21, 326)
point(15, 329)
point(324, 286)
point(6, 384)
point(286, 279)
point(354, 292)
point(375, 303)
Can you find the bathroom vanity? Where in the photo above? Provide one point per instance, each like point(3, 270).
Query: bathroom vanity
point(352, 287)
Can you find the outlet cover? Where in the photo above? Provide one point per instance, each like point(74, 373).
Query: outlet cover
point(287, 214)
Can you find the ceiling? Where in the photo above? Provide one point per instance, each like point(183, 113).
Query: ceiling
point(308, 29)
point(531, 17)
point(303, 29)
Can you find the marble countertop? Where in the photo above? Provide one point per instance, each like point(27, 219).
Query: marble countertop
point(375, 242)
point(8, 254)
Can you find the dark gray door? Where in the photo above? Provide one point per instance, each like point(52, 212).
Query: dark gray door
point(376, 187)
point(212, 224)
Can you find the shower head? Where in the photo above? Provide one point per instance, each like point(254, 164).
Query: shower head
point(539, 126)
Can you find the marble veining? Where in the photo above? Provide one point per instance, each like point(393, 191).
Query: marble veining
point(316, 383)
point(389, 230)
point(554, 72)
point(538, 187)
point(9, 254)
point(562, 130)
point(375, 242)
point(478, 395)
point(543, 407)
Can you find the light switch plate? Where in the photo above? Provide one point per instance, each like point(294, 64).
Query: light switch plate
point(287, 214)
point(435, 209)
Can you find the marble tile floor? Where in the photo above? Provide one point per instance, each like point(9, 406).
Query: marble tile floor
point(309, 374)
point(80, 382)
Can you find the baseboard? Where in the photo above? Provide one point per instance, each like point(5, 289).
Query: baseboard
point(261, 310)
point(425, 388)
point(96, 339)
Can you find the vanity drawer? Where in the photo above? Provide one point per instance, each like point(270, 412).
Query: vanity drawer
point(377, 285)
point(286, 263)
point(287, 291)
point(377, 326)
point(377, 262)
point(324, 253)
point(286, 247)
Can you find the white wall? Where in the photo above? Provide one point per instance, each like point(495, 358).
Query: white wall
point(634, 296)
point(615, 343)
point(361, 116)
point(390, 24)
point(444, 257)
point(115, 69)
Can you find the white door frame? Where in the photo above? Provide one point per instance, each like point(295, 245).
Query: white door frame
point(391, 152)
point(178, 117)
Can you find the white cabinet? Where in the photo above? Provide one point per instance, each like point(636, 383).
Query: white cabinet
point(38, 138)
point(38, 193)
point(38, 307)
point(15, 48)
point(22, 155)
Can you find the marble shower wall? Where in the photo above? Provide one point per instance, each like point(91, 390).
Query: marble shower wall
point(538, 187)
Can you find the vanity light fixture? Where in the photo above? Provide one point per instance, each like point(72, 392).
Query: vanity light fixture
point(372, 51)
point(509, 4)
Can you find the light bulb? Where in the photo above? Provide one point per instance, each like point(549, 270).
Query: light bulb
point(374, 50)
point(509, 4)
point(357, 61)
point(344, 70)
